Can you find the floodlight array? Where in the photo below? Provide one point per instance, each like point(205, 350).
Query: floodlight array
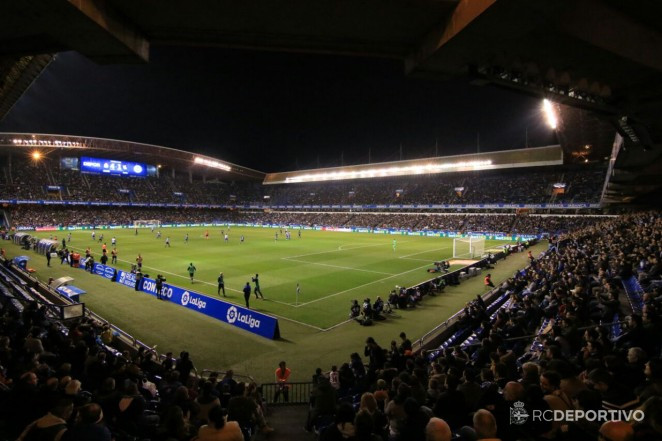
point(46, 142)
point(389, 171)
point(211, 163)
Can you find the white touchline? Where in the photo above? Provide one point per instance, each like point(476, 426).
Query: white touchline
point(359, 286)
point(336, 266)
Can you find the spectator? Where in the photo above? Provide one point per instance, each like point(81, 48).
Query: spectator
point(219, 429)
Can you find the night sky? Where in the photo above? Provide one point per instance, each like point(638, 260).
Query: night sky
point(275, 111)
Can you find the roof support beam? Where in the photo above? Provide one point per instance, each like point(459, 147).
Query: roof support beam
point(598, 24)
point(465, 12)
point(111, 30)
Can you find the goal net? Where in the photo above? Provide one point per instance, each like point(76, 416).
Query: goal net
point(146, 223)
point(468, 247)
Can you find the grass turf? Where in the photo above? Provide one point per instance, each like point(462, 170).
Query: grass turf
point(332, 268)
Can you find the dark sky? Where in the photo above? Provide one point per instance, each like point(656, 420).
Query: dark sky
point(275, 111)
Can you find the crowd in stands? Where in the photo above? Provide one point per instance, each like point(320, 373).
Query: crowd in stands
point(30, 180)
point(512, 186)
point(70, 382)
point(578, 329)
point(30, 216)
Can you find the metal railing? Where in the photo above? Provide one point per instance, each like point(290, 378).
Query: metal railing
point(290, 393)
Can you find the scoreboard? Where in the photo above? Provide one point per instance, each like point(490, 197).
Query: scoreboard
point(112, 167)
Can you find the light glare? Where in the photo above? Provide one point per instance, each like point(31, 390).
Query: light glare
point(388, 171)
point(550, 114)
point(212, 163)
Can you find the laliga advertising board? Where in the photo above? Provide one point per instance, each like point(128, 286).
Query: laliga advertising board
point(251, 321)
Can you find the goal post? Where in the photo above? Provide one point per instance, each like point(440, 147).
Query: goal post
point(468, 247)
point(146, 223)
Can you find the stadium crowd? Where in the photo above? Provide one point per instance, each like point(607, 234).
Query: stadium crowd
point(578, 329)
point(30, 216)
point(31, 180)
point(561, 337)
point(71, 382)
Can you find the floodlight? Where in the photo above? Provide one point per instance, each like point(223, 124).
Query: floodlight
point(550, 114)
point(36, 155)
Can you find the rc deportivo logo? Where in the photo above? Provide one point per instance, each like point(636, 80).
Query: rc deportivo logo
point(518, 414)
point(232, 314)
point(185, 298)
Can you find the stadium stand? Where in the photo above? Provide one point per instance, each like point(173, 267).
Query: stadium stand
point(550, 339)
point(30, 180)
point(29, 216)
point(539, 338)
point(47, 364)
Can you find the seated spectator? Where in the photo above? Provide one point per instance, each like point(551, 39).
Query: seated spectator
point(207, 400)
point(437, 430)
point(616, 431)
point(344, 425)
point(355, 309)
point(51, 426)
point(484, 425)
point(219, 429)
point(89, 426)
point(615, 396)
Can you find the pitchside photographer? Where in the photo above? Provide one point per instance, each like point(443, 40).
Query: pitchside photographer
point(159, 286)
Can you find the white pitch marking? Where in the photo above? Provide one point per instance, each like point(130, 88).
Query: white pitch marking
point(336, 266)
point(359, 286)
point(202, 281)
point(423, 252)
point(335, 251)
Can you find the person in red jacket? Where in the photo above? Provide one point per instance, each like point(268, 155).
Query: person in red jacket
point(488, 281)
point(282, 376)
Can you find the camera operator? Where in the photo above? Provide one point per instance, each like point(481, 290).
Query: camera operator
point(159, 286)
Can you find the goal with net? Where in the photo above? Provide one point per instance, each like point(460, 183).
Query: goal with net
point(146, 223)
point(468, 247)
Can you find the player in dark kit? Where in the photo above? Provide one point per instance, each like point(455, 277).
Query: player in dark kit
point(191, 271)
point(257, 291)
point(221, 285)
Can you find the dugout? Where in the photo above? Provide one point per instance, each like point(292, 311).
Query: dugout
point(46, 246)
point(23, 240)
point(21, 262)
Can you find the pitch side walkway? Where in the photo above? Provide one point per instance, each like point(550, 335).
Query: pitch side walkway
point(288, 422)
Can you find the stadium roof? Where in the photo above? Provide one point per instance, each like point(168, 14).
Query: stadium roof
point(600, 55)
point(506, 159)
point(166, 157)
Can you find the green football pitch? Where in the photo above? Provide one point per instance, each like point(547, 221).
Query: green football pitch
point(331, 268)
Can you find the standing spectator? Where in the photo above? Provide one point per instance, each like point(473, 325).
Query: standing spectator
point(184, 366)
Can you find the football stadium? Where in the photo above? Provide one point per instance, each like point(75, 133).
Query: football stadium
point(332, 221)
